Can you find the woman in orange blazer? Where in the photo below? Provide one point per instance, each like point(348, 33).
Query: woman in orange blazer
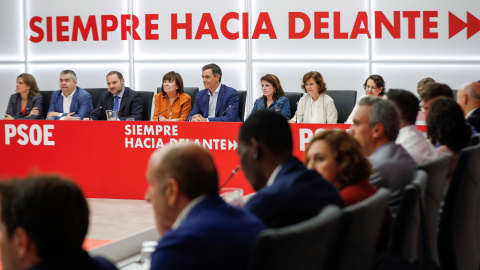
point(172, 104)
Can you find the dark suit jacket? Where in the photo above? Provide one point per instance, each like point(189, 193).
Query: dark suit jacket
point(15, 104)
point(131, 105)
point(213, 236)
point(226, 97)
point(297, 194)
point(81, 103)
point(77, 261)
point(474, 120)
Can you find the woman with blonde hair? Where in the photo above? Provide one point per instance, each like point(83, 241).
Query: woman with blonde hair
point(26, 103)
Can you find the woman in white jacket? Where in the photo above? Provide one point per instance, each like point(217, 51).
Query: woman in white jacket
point(316, 107)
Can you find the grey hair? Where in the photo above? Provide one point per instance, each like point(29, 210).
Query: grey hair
point(215, 69)
point(68, 71)
point(384, 112)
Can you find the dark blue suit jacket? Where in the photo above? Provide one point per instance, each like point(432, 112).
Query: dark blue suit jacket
point(214, 236)
point(76, 261)
point(226, 97)
point(81, 103)
point(131, 106)
point(297, 194)
point(474, 120)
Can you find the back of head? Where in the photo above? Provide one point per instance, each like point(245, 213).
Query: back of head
point(193, 168)
point(433, 90)
point(446, 124)
point(384, 112)
point(271, 129)
point(421, 84)
point(406, 103)
point(52, 211)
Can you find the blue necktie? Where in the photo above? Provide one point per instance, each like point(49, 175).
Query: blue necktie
point(115, 104)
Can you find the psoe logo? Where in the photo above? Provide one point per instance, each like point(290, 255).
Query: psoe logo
point(35, 134)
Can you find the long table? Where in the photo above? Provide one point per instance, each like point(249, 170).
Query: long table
point(108, 159)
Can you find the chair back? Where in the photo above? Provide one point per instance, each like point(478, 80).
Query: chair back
point(344, 102)
point(242, 99)
point(359, 228)
point(147, 98)
point(96, 93)
point(437, 171)
point(459, 232)
point(300, 246)
point(293, 98)
point(46, 95)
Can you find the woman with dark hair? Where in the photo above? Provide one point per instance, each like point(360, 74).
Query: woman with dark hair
point(27, 103)
point(317, 106)
point(447, 127)
point(273, 97)
point(374, 86)
point(338, 157)
point(172, 104)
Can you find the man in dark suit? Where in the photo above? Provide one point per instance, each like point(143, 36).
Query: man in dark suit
point(71, 100)
point(217, 102)
point(127, 102)
point(468, 97)
point(375, 126)
point(44, 220)
point(287, 193)
point(199, 230)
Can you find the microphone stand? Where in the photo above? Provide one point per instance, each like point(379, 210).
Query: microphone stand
point(234, 171)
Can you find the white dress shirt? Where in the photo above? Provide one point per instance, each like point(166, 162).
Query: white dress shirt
point(416, 144)
point(67, 103)
point(212, 101)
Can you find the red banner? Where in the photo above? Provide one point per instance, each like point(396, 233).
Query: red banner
point(109, 159)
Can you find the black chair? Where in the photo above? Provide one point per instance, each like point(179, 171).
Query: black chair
point(300, 246)
point(293, 98)
point(344, 102)
point(242, 99)
point(96, 93)
point(147, 98)
point(459, 232)
point(46, 95)
point(358, 232)
point(437, 171)
point(474, 140)
point(191, 91)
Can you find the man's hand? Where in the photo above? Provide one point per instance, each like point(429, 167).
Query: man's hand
point(69, 116)
point(198, 118)
point(53, 114)
point(8, 117)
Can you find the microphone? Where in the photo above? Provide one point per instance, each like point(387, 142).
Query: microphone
point(158, 119)
point(99, 108)
point(296, 115)
point(230, 177)
point(229, 106)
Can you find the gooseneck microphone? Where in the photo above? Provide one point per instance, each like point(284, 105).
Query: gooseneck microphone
point(221, 115)
point(296, 115)
point(234, 171)
point(90, 116)
point(158, 119)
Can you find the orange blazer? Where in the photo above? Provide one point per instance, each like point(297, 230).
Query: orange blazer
point(180, 109)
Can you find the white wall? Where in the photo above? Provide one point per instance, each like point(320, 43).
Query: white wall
point(344, 63)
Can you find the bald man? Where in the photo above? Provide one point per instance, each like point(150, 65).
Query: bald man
point(468, 97)
point(199, 230)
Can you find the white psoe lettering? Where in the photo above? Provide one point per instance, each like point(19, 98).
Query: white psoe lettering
point(35, 134)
